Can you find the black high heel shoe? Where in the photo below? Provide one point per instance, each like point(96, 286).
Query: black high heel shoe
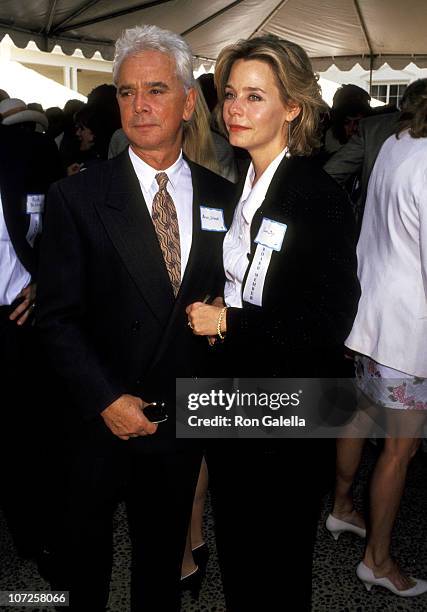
point(192, 582)
point(201, 557)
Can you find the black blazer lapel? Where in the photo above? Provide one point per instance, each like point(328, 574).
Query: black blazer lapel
point(276, 193)
point(199, 263)
point(129, 225)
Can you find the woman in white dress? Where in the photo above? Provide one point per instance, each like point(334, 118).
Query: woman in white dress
point(389, 336)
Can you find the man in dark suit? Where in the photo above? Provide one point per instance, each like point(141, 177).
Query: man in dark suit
point(126, 248)
point(29, 162)
point(358, 156)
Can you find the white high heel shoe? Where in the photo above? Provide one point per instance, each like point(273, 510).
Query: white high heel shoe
point(337, 526)
point(367, 576)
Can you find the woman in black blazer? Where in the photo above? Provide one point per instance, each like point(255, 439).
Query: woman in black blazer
point(290, 297)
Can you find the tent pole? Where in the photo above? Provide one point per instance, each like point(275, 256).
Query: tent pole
point(211, 17)
point(59, 28)
point(367, 40)
point(269, 17)
point(50, 17)
point(82, 9)
point(371, 69)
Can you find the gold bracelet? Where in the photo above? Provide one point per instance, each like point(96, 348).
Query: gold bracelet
point(218, 325)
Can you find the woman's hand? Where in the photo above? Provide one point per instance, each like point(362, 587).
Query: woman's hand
point(203, 319)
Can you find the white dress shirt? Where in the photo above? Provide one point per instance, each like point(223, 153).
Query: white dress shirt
point(237, 241)
point(180, 188)
point(391, 321)
point(13, 276)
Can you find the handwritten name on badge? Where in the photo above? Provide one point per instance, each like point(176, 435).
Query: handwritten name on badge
point(212, 219)
point(35, 203)
point(271, 234)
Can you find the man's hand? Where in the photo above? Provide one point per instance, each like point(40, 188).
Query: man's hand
point(74, 169)
point(125, 418)
point(22, 312)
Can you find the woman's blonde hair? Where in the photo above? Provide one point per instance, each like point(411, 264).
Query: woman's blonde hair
point(295, 78)
point(197, 142)
point(413, 107)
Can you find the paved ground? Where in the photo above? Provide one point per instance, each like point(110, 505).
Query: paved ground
point(335, 586)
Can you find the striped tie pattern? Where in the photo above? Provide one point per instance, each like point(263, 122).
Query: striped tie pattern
point(166, 225)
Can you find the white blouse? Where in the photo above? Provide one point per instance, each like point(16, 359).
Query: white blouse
point(237, 241)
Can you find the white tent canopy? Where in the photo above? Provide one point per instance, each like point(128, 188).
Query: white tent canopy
point(344, 32)
point(30, 86)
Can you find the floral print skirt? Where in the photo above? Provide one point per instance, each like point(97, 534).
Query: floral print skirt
point(388, 387)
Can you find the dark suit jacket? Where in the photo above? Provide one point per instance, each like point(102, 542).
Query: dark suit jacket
point(29, 163)
point(311, 289)
point(359, 154)
point(106, 309)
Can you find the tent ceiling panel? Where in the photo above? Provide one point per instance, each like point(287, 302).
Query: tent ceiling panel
point(343, 32)
point(239, 21)
point(333, 28)
point(176, 15)
point(396, 26)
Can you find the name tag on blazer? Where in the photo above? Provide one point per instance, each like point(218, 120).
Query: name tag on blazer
point(212, 219)
point(35, 203)
point(269, 238)
point(271, 234)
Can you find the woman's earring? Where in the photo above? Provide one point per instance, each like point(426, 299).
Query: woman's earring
point(288, 153)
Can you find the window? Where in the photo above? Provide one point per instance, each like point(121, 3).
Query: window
point(389, 93)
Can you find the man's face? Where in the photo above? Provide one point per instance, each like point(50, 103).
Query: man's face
point(153, 104)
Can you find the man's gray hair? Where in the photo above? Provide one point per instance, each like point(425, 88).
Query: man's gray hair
point(151, 38)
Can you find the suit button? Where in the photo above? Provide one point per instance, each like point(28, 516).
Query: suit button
point(136, 325)
point(138, 382)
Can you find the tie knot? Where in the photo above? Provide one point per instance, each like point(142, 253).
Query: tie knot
point(162, 179)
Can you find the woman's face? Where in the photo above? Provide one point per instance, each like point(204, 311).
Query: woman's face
point(253, 111)
point(86, 137)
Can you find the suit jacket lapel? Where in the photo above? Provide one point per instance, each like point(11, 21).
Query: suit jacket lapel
point(129, 225)
point(197, 263)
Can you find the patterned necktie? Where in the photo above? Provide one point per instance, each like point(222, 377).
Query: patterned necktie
point(166, 225)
